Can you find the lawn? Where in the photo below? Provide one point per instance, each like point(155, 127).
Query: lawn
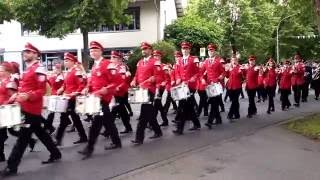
point(308, 126)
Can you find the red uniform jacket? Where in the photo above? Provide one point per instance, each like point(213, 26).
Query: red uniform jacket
point(5, 85)
point(160, 76)
point(270, 78)
point(173, 75)
point(235, 76)
point(285, 79)
point(145, 71)
point(188, 70)
point(298, 74)
point(101, 77)
point(33, 82)
point(74, 81)
point(121, 78)
point(56, 82)
point(252, 74)
point(168, 80)
point(214, 69)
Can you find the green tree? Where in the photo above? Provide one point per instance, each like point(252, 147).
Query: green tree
point(61, 17)
point(5, 13)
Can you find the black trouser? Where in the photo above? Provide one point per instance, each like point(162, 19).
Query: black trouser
point(25, 134)
point(214, 111)
point(261, 91)
point(65, 121)
point(106, 120)
point(203, 103)
point(316, 86)
point(305, 90)
point(221, 104)
point(226, 95)
point(122, 111)
point(187, 111)
point(271, 91)
point(297, 93)
point(252, 109)
point(241, 93)
point(285, 102)
point(147, 115)
point(234, 108)
point(159, 107)
point(126, 103)
point(169, 100)
point(3, 138)
point(49, 122)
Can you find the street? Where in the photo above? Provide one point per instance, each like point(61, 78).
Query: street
point(241, 150)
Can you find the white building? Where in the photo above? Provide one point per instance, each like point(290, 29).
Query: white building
point(149, 18)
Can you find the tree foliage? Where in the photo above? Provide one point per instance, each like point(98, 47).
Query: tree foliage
point(5, 12)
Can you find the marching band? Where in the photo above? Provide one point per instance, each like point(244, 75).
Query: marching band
point(106, 92)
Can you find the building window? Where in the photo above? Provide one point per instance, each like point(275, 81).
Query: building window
point(134, 24)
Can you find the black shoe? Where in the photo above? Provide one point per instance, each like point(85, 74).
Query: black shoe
point(208, 125)
point(205, 114)
point(176, 132)
point(80, 141)
point(126, 131)
point(259, 100)
point(130, 113)
point(155, 136)
point(268, 112)
point(249, 116)
point(164, 124)
point(217, 123)
point(194, 128)
point(113, 146)
point(32, 144)
point(296, 105)
point(136, 142)
point(8, 172)
point(316, 98)
point(174, 121)
point(2, 157)
point(86, 153)
point(222, 110)
point(105, 134)
point(50, 130)
point(52, 159)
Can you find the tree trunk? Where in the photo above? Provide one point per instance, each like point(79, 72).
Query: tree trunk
point(85, 52)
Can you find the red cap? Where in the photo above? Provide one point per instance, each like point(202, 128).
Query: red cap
point(15, 67)
point(157, 53)
point(145, 45)
point(58, 66)
point(96, 45)
point(70, 57)
point(186, 45)
point(270, 60)
point(252, 58)
point(30, 47)
point(7, 66)
point(115, 53)
point(177, 54)
point(212, 47)
point(297, 56)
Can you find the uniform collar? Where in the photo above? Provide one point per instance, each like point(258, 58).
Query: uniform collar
point(97, 62)
point(31, 64)
point(146, 59)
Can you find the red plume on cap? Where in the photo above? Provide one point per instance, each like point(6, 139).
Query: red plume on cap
point(71, 57)
point(252, 58)
point(96, 45)
point(177, 54)
point(212, 47)
point(157, 53)
point(145, 45)
point(7, 66)
point(32, 48)
point(186, 45)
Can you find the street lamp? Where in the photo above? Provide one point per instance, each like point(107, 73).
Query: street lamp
point(278, 33)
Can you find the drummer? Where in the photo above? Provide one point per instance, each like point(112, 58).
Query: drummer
point(72, 86)
point(7, 88)
point(212, 72)
point(55, 81)
point(102, 84)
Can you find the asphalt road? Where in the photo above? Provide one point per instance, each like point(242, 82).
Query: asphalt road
point(130, 159)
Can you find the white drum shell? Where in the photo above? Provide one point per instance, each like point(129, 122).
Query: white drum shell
point(12, 114)
point(214, 90)
point(58, 104)
point(180, 92)
point(138, 96)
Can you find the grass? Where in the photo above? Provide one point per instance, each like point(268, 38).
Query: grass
point(308, 126)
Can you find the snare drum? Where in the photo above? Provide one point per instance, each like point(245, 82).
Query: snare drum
point(180, 92)
point(58, 104)
point(90, 105)
point(214, 90)
point(138, 96)
point(12, 114)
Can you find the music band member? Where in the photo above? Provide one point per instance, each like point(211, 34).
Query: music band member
point(297, 79)
point(285, 85)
